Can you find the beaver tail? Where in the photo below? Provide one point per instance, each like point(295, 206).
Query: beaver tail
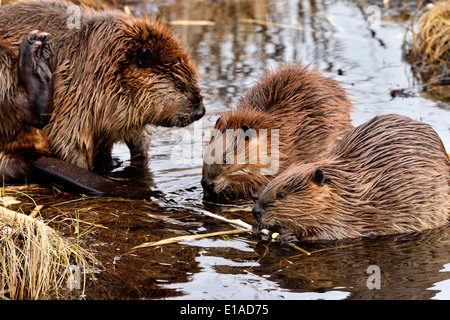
point(48, 169)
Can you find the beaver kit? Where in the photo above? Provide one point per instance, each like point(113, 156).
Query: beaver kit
point(295, 114)
point(114, 75)
point(390, 175)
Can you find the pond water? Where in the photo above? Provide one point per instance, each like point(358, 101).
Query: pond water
point(234, 42)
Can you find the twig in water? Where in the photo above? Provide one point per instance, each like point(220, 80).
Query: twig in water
point(273, 235)
point(235, 222)
point(189, 237)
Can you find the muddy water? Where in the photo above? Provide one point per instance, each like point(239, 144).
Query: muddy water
point(233, 48)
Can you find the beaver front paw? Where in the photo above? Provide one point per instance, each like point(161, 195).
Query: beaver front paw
point(35, 75)
point(34, 54)
point(287, 238)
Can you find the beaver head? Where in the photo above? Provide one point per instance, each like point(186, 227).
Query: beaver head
point(293, 111)
point(242, 156)
point(157, 74)
point(302, 201)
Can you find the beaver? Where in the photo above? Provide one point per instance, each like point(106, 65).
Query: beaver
point(295, 114)
point(114, 75)
point(26, 103)
point(390, 175)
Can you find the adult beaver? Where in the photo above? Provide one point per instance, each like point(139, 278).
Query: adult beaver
point(389, 175)
point(26, 103)
point(294, 114)
point(114, 75)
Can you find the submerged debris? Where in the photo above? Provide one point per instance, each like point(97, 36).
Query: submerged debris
point(402, 93)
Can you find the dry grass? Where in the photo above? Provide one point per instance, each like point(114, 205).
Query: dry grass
point(429, 48)
point(35, 262)
point(431, 40)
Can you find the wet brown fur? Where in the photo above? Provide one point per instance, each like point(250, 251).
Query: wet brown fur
point(101, 95)
point(390, 175)
point(311, 112)
point(16, 137)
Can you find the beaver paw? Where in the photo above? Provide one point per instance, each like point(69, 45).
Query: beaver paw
point(256, 228)
point(34, 54)
point(287, 238)
point(35, 75)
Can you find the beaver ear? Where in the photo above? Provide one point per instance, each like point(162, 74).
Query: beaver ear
point(248, 135)
point(145, 58)
point(319, 177)
point(219, 119)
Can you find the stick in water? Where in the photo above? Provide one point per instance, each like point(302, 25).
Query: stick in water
point(273, 235)
point(235, 222)
point(189, 237)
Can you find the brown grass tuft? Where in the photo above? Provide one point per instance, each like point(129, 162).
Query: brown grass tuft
point(429, 48)
point(431, 41)
point(35, 262)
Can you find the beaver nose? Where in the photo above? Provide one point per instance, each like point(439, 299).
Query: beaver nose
point(257, 211)
point(200, 112)
point(207, 184)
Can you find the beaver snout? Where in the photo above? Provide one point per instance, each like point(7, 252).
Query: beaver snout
point(257, 211)
point(208, 185)
point(200, 112)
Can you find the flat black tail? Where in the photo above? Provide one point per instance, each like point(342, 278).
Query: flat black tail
point(52, 170)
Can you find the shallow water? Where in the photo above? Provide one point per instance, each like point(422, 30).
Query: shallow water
point(233, 49)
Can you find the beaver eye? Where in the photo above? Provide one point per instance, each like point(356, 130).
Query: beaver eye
point(225, 161)
point(281, 195)
point(179, 87)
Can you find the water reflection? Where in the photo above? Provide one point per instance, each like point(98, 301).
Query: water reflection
point(409, 266)
point(234, 42)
